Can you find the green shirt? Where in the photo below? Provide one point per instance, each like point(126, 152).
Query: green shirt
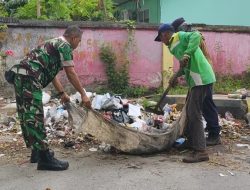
point(44, 62)
point(198, 71)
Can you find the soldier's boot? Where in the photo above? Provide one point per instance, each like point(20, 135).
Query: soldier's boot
point(35, 155)
point(48, 162)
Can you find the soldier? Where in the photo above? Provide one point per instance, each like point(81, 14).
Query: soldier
point(38, 68)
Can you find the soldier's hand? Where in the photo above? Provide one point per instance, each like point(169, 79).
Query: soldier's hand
point(65, 98)
point(86, 101)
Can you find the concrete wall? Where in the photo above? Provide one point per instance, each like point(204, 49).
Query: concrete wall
point(228, 46)
point(213, 12)
point(230, 52)
point(144, 55)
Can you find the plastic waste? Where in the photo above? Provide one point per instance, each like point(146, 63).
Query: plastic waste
point(134, 110)
point(237, 96)
point(46, 98)
point(76, 98)
point(229, 116)
point(179, 142)
point(112, 103)
point(99, 100)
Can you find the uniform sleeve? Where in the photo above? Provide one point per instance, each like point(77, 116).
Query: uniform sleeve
point(193, 39)
point(66, 55)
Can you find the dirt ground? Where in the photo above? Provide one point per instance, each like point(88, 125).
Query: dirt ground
point(228, 167)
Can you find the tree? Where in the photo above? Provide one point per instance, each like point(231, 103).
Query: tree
point(12, 5)
point(3, 12)
point(59, 9)
point(91, 9)
point(49, 9)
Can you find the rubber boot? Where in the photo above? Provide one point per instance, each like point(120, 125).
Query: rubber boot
point(48, 162)
point(35, 155)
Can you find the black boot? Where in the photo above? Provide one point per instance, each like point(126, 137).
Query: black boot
point(48, 162)
point(213, 140)
point(35, 155)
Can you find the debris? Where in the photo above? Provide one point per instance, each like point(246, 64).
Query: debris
point(60, 133)
point(134, 110)
point(93, 149)
point(105, 147)
point(229, 116)
point(222, 175)
point(242, 91)
point(245, 138)
point(232, 174)
point(237, 96)
point(69, 144)
point(179, 142)
point(1, 155)
point(46, 97)
point(134, 166)
point(99, 100)
point(243, 146)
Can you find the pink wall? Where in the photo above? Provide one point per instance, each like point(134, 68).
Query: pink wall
point(230, 52)
point(144, 54)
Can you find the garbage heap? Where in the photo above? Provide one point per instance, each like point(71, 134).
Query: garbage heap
point(131, 114)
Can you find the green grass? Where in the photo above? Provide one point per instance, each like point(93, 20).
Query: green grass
point(223, 85)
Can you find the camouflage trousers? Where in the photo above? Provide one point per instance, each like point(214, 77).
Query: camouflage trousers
point(30, 112)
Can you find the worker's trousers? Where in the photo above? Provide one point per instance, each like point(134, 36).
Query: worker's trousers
point(196, 102)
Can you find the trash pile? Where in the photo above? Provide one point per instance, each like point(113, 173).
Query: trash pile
point(240, 94)
point(60, 130)
point(129, 113)
point(132, 114)
point(232, 128)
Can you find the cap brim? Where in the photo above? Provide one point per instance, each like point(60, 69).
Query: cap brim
point(158, 38)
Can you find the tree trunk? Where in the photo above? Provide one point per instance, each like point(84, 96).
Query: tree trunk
point(38, 9)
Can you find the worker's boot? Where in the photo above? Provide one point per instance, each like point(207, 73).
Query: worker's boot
point(196, 156)
point(35, 155)
point(213, 140)
point(48, 162)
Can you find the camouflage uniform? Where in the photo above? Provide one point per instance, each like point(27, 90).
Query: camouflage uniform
point(33, 73)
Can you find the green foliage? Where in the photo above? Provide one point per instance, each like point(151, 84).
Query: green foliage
point(50, 9)
point(59, 9)
point(135, 91)
point(28, 11)
point(12, 5)
point(3, 27)
point(117, 79)
point(91, 10)
point(3, 11)
point(229, 84)
point(130, 24)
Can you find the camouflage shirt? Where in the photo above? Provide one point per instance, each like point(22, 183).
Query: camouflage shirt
point(44, 62)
